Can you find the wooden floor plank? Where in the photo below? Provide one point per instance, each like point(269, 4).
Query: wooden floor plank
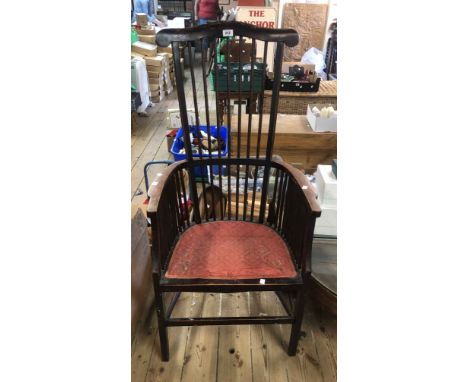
point(306, 357)
point(143, 347)
point(149, 153)
point(329, 323)
point(147, 131)
point(268, 354)
point(143, 344)
point(308, 353)
point(258, 343)
point(201, 355)
point(148, 138)
point(234, 359)
point(316, 348)
point(159, 371)
point(161, 154)
point(197, 355)
point(295, 369)
point(142, 126)
point(326, 351)
point(157, 124)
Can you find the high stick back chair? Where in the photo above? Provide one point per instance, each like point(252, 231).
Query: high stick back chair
point(259, 235)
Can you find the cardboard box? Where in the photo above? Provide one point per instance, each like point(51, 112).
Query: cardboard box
point(326, 223)
point(154, 69)
point(135, 54)
point(287, 64)
point(157, 97)
point(152, 74)
point(151, 39)
point(155, 81)
point(154, 87)
point(142, 19)
point(320, 124)
point(166, 49)
point(174, 118)
point(145, 48)
point(170, 138)
point(154, 61)
point(147, 31)
point(326, 184)
point(167, 56)
point(155, 76)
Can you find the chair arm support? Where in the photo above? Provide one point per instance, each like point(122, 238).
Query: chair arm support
point(304, 183)
point(157, 210)
point(157, 186)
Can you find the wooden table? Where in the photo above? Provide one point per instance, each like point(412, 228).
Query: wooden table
point(296, 102)
point(295, 141)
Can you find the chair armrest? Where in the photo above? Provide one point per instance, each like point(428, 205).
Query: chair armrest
point(304, 183)
point(157, 186)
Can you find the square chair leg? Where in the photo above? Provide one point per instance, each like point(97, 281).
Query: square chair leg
point(296, 326)
point(162, 328)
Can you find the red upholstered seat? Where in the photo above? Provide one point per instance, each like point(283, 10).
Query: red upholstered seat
point(230, 250)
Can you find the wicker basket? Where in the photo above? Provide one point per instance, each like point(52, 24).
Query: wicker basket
point(296, 102)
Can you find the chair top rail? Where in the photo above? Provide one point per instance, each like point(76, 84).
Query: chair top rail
point(166, 36)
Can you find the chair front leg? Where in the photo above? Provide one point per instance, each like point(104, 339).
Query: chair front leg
point(163, 340)
point(296, 326)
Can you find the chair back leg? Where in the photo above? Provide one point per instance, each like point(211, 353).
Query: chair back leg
point(296, 326)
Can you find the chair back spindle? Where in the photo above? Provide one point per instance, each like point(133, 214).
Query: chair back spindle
point(243, 172)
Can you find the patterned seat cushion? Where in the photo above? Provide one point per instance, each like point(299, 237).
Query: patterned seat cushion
point(230, 250)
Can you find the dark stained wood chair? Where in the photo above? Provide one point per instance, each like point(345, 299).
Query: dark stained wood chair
point(262, 239)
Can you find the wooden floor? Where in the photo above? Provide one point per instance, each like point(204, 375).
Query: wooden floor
point(221, 353)
point(148, 144)
point(148, 134)
point(236, 353)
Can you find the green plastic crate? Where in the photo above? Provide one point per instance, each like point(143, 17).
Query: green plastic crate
point(234, 77)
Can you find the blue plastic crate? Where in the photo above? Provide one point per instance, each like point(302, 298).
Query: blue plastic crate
point(178, 144)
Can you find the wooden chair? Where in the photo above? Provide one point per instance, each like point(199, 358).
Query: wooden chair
point(262, 239)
